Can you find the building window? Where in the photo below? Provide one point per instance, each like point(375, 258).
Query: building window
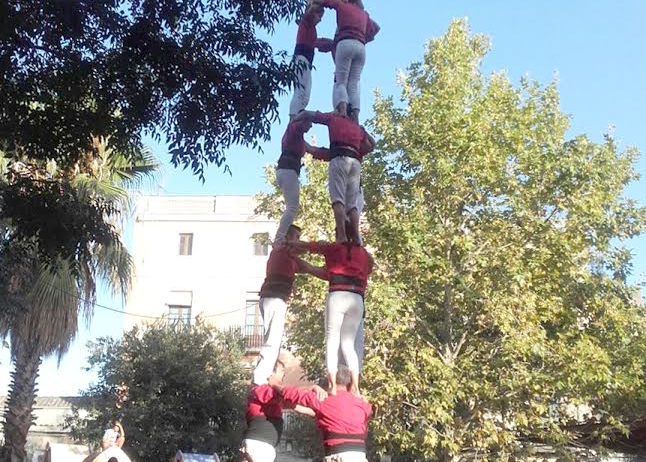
point(253, 330)
point(186, 244)
point(179, 315)
point(261, 244)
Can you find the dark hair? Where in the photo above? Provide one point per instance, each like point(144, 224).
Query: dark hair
point(343, 376)
point(294, 228)
point(113, 459)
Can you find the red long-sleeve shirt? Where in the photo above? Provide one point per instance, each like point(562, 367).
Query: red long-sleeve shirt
point(341, 414)
point(264, 415)
point(352, 22)
point(281, 272)
point(343, 131)
point(348, 266)
point(307, 39)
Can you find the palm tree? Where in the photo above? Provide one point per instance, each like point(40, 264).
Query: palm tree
point(59, 293)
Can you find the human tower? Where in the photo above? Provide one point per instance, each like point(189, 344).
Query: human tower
point(341, 413)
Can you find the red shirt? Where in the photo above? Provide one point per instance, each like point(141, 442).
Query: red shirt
point(306, 32)
point(343, 131)
point(351, 21)
point(343, 413)
point(281, 272)
point(264, 415)
point(345, 261)
point(264, 401)
point(293, 140)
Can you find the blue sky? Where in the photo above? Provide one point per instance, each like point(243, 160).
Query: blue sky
point(595, 50)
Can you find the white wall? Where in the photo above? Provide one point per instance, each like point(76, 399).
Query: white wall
point(222, 268)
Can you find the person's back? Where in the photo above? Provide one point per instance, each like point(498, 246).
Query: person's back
point(342, 418)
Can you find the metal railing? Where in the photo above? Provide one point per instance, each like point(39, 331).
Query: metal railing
point(254, 336)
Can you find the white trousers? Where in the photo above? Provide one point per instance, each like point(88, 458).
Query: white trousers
point(358, 346)
point(273, 312)
point(350, 58)
point(289, 184)
point(259, 450)
point(344, 177)
point(303, 88)
point(343, 315)
point(347, 456)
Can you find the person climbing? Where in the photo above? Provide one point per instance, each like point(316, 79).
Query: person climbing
point(307, 42)
point(282, 267)
point(342, 418)
point(349, 143)
point(354, 30)
point(288, 171)
point(264, 417)
point(347, 267)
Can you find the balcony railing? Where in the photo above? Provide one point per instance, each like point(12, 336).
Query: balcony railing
point(254, 336)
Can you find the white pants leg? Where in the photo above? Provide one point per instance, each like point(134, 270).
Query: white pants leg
point(344, 177)
point(273, 311)
point(303, 88)
point(259, 450)
point(358, 347)
point(347, 52)
point(347, 456)
point(354, 78)
point(344, 312)
point(290, 186)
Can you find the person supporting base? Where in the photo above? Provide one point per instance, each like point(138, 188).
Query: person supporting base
point(347, 266)
point(342, 418)
point(282, 267)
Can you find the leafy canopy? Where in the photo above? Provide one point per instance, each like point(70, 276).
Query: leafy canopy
point(500, 304)
point(171, 387)
point(194, 72)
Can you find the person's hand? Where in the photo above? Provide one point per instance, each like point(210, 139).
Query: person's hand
point(320, 393)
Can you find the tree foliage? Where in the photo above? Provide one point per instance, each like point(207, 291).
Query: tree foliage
point(501, 302)
point(171, 387)
point(194, 72)
point(46, 294)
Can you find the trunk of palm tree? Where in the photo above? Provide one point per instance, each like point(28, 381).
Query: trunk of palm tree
point(18, 412)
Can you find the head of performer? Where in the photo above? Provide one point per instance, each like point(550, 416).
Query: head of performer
point(343, 378)
point(303, 125)
point(315, 12)
point(278, 374)
point(293, 234)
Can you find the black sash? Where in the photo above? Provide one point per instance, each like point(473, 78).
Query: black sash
point(290, 161)
point(306, 51)
point(340, 150)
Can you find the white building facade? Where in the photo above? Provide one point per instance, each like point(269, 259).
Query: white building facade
point(199, 256)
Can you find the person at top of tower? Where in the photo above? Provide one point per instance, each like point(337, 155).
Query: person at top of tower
point(275, 292)
point(293, 147)
point(349, 143)
point(307, 42)
point(347, 266)
point(354, 30)
point(342, 418)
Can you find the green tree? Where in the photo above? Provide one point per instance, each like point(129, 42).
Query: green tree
point(501, 300)
point(197, 73)
point(53, 294)
point(172, 388)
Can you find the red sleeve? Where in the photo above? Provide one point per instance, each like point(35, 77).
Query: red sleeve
point(305, 398)
point(315, 247)
point(320, 153)
point(263, 394)
point(324, 45)
point(322, 117)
